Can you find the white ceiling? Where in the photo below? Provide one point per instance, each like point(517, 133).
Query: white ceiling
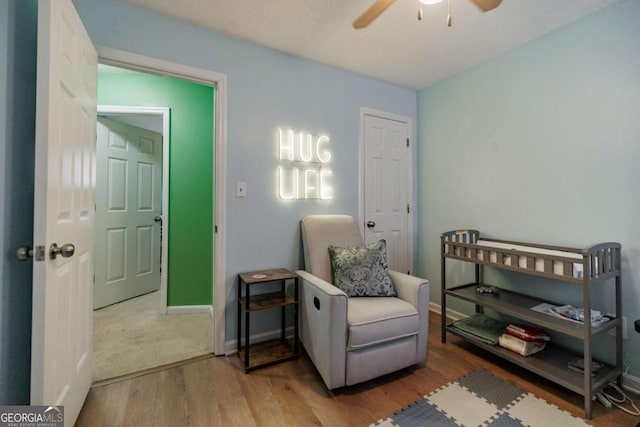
point(397, 47)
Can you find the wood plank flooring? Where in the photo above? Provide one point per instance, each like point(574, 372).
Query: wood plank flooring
point(216, 392)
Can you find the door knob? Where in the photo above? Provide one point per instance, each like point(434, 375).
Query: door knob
point(371, 224)
point(65, 251)
point(23, 253)
point(158, 219)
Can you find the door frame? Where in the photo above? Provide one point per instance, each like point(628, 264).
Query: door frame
point(364, 111)
point(133, 61)
point(164, 113)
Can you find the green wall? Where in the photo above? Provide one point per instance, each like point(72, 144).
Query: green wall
point(191, 201)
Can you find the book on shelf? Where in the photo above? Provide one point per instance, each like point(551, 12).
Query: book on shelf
point(527, 333)
point(571, 313)
point(520, 346)
point(577, 365)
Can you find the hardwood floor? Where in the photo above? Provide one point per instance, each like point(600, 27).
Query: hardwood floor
point(216, 392)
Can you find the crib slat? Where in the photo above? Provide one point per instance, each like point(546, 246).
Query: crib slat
point(567, 269)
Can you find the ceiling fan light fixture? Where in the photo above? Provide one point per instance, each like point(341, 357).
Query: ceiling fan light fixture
point(430, 1)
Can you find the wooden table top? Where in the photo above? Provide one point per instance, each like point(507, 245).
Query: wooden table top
point(262, 276)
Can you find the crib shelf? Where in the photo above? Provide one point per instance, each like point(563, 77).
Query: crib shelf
point(597, 265)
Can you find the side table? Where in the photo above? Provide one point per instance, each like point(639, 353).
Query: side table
point(270, 352)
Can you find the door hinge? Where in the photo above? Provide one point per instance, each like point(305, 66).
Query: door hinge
point(408, 208)
point(407, 142)
point(215, 228)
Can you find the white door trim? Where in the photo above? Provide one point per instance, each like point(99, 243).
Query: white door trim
point(164, 112)
point(364, 111)
point(147, 64)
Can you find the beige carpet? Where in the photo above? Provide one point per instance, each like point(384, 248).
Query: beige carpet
point(132, 336)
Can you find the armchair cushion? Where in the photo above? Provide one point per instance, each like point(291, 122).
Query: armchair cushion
point(361, 270)
point(320, 231)
point(372, 321)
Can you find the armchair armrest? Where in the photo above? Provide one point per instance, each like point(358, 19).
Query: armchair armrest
point(415, 291)
point(322, 285)
point(323, 327)
point(411, 289)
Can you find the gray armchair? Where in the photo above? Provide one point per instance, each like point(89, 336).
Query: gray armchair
point(351, 340)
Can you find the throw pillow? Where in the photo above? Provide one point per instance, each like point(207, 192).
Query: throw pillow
point(362, 271)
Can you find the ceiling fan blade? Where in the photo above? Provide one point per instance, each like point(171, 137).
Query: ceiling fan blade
point(486, 5)
point(372, 13)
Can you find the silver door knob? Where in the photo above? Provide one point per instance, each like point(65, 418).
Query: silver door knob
point(371, 224)
point(23, 253)
point(65, 251)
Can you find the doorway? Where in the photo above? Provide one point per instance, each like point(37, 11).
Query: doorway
point(120, 58)
point(137, 334)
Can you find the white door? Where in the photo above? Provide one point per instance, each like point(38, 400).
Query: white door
point(128, 188)
point(386, 188)
point(64, 210)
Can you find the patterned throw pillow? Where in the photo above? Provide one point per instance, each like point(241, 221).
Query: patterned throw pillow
point(362, 271)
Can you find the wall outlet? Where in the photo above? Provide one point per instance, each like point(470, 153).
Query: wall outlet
point(241, 189)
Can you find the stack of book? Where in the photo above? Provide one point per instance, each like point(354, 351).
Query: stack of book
point(524, 340)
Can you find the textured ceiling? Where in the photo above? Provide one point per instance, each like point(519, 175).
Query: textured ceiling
point(396, 47)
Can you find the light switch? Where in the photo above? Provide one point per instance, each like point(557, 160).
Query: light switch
point(241, 189)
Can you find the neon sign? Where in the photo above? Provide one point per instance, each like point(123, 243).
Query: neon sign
point(303, 172)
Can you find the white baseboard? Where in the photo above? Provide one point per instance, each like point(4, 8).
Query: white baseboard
point(455, 315)
point(190, 309)
point(231, 347)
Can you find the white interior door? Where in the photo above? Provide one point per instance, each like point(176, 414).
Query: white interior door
point(64, 210)
point(128, 189)
point(386, 188)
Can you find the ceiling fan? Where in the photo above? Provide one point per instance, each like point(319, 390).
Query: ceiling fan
point(381, 5)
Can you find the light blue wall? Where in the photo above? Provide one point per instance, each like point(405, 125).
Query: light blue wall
point(17, 115)
point(266, 89)
point(541, 144)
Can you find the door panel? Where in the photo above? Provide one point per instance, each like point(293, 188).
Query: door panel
point(117, 185)
point(116, 254)
point(145, 186)
point(145, 250)
point(63, 209)
point(128, 190)
point(386, 187)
